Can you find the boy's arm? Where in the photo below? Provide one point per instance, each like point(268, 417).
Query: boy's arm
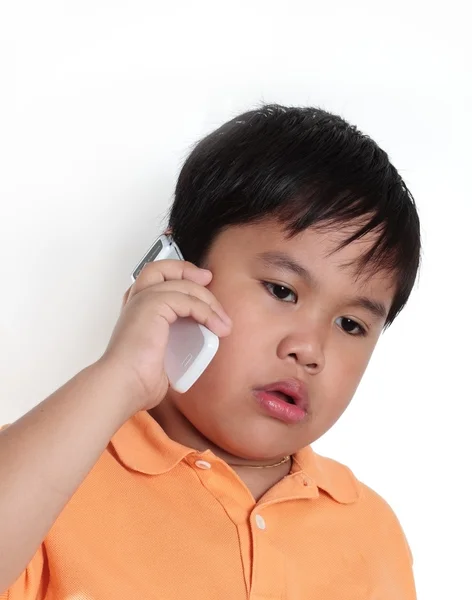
point(47, 453)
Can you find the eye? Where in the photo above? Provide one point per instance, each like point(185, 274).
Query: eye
point(351, 327)
point(280, 292)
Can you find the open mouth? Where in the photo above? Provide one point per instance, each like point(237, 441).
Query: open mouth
point(285, 400)
point(281, 405)
point(284, 397)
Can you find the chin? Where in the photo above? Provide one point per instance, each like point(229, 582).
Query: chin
point(251, 445)
point(244, 434)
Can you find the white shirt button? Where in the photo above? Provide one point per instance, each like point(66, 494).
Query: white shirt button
point(260, 522)
point(202, 464)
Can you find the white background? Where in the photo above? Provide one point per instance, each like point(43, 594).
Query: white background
point(100, 103)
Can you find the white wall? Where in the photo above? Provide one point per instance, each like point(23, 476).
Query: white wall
point(100, 102)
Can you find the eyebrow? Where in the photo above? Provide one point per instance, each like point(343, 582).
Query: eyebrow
point(284, 262)
point(375, 308)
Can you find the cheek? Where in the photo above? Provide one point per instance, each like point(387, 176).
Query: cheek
point(251, 336)
point(247, 338)
point(245, 306)
point(343, 372)
point(350, 363)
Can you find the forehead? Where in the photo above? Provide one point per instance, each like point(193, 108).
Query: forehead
point(316, 249)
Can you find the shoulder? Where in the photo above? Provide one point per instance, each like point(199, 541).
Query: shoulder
point(384, 524)
point(332, 475)
point(368, 511)
point(386, 519)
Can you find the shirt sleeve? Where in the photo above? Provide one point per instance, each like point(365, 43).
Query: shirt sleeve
point(32, 583)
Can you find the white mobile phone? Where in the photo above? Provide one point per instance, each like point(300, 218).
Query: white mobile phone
point(191, 346)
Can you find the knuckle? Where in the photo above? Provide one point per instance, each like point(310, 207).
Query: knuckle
point(150, 274)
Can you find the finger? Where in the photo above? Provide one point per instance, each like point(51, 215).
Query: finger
point(173, 305)
point(167, 270)
point(194, 289)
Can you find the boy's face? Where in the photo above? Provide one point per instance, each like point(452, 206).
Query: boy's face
point(296, 316)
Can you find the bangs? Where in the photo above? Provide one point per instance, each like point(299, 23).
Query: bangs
point(306, 168)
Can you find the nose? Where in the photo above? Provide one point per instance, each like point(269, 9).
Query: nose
point(305, 349)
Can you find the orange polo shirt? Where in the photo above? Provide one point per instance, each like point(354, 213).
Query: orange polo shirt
point(157, 520)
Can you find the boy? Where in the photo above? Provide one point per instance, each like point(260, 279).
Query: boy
point(307, 244)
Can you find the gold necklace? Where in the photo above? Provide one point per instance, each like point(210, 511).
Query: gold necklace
point(281, 462)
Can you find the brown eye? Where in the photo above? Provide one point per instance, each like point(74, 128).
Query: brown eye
point(350, 326)
point(280, 292)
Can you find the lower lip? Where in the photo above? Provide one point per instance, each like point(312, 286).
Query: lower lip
point(274, 406)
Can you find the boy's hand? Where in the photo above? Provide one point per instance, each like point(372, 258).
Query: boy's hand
point(163, 291)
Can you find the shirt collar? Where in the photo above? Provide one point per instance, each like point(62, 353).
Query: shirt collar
point(332, 477)
point(143, 446)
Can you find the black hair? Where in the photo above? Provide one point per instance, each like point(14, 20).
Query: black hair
point(306, 168)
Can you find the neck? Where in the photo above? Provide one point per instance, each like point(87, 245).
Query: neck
point(259, 481)
point(179, 429)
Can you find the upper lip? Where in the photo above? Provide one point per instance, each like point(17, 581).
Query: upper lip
point(294, 388)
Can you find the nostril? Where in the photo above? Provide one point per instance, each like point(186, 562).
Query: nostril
point(311, 366)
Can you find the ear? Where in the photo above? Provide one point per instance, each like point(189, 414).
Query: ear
point(168, 231)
